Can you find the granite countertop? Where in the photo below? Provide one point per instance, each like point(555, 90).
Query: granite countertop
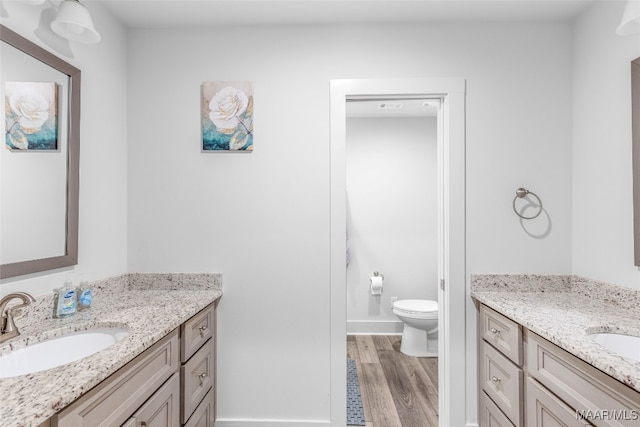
point(148, 305)
point(565, 310)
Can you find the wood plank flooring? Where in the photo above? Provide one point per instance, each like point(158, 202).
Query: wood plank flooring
point(397, 390)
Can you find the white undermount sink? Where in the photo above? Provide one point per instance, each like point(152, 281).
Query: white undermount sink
point(624, 345)
point(58, 351)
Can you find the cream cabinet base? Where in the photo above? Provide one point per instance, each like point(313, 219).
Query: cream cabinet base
point(169, 384)
point(552, 388)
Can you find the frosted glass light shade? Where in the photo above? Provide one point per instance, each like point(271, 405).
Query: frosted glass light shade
point(73, 22)
point(630, 19)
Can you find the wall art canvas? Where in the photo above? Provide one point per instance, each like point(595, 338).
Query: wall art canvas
point(31, 116)
point(227, 116)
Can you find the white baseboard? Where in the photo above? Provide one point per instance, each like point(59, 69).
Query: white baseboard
point(471, 425)
point(222, 422)
point(374, 327)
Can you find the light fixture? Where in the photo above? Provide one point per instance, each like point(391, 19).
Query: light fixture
point(391, 105)
point(73, 22)
point(630, 19)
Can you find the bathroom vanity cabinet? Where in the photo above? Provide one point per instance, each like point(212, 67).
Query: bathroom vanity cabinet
point(525, 380)
point(172, 383)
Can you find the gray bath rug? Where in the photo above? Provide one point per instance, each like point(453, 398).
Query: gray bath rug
point(355, 413)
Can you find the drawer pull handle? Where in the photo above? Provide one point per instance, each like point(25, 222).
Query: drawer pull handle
point(203, 330)
point(496, 379)
point(494, 331)
point(202, 376)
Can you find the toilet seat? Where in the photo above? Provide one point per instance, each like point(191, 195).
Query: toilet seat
point(416, 308)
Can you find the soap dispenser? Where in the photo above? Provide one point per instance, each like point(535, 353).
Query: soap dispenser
point(64, 303)
point(85, 295)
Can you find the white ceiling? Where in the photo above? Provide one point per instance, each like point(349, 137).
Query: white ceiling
point(201, 13)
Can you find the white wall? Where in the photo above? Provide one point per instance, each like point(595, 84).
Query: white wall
point(602, 187)
point(262, 219)
point(392, 217)
point(103, 146)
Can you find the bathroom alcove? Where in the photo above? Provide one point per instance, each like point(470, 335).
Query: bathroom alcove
point(451, 171)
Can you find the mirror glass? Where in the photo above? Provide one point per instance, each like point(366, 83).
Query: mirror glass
point(39, 158)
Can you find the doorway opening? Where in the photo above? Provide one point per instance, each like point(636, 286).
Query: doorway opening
point(392, 260)
point(451, 235)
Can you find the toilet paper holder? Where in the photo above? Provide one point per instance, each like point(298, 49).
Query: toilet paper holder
point(375, 287)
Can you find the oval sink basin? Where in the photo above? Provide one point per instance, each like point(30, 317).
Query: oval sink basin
point(624, 345)
point(58, 351)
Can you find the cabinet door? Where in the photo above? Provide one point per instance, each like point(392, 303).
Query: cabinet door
point(546, 410)
point(204, 415)
point(502, 333)
point(196, 331)
point(490, 415)
point(197, 377)
point(163, 408)
point(502, 381)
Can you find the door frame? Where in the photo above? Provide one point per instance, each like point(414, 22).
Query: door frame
point(452, 235)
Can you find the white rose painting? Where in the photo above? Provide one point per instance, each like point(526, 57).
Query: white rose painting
point(227, 116)
point(31, 116)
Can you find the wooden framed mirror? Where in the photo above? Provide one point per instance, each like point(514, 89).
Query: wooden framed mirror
point(635, 131)
point(21, 241)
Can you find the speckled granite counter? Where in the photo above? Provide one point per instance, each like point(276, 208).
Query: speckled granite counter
point(149, 305)
point(564, 310)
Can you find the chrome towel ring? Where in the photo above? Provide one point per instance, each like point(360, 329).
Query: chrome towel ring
point(521, 193)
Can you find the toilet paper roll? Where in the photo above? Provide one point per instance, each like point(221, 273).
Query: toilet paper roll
point(376, 285)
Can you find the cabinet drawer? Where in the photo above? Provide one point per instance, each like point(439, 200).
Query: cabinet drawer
point(114, 400)
point(163, 408)
point(581, 386)
point(502, 381)
point(490, 415)
point(204, 415)
point(196, 331)
point(546, 410)
point(197, 378)
point(503, 333)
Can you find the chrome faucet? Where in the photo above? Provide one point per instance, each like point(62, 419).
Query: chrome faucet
point(8, 328)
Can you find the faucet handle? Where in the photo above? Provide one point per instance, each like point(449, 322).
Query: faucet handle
point(8, 328)
point(8, 324)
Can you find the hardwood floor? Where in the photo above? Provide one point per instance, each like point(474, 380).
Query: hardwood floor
point(397, 390)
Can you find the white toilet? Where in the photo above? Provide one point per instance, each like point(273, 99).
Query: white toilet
point(420, 332)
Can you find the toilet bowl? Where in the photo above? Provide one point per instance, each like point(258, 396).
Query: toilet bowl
point(420, 331)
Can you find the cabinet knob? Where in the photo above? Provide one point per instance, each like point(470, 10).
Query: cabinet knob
point(203, 330)
point(494, 331)
point(202, 376)
point(496, 379)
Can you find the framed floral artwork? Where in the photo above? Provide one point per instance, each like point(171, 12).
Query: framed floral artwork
point(227, 116)
point(31, 116)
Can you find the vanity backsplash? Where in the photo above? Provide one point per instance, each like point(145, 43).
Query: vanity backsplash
point(42, 308)
point(626, 298)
